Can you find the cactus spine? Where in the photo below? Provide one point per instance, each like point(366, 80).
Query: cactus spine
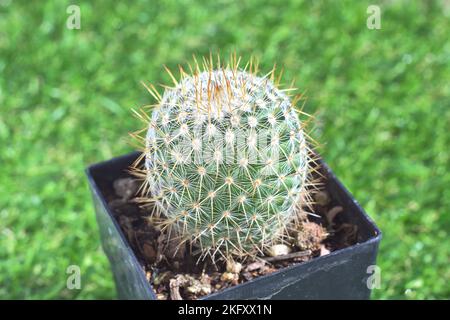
point(226, 159)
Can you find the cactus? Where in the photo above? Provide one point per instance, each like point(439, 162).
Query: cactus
point(227, 161)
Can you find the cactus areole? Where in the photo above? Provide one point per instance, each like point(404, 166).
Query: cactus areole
point(226, 161)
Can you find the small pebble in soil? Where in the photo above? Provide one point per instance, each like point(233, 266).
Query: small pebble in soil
point(279, 250)
point(229, 277)
point(161, 296)
point(234, 267)
point(323, 250)
point(197, 287)
point(255, 266)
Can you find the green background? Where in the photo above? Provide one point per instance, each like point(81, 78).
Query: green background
point(382, 97)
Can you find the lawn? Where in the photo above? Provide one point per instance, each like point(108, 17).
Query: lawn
point(382, 99)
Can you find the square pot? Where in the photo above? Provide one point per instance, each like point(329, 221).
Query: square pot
point(342, 274)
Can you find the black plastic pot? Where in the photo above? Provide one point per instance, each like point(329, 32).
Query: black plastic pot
point(341, 274)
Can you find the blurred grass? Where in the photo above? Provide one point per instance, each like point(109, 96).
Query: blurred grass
point(383, 98)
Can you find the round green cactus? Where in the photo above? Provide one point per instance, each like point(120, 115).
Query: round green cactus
point(226, 160)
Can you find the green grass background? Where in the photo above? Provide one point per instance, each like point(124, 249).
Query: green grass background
point(382, 97)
